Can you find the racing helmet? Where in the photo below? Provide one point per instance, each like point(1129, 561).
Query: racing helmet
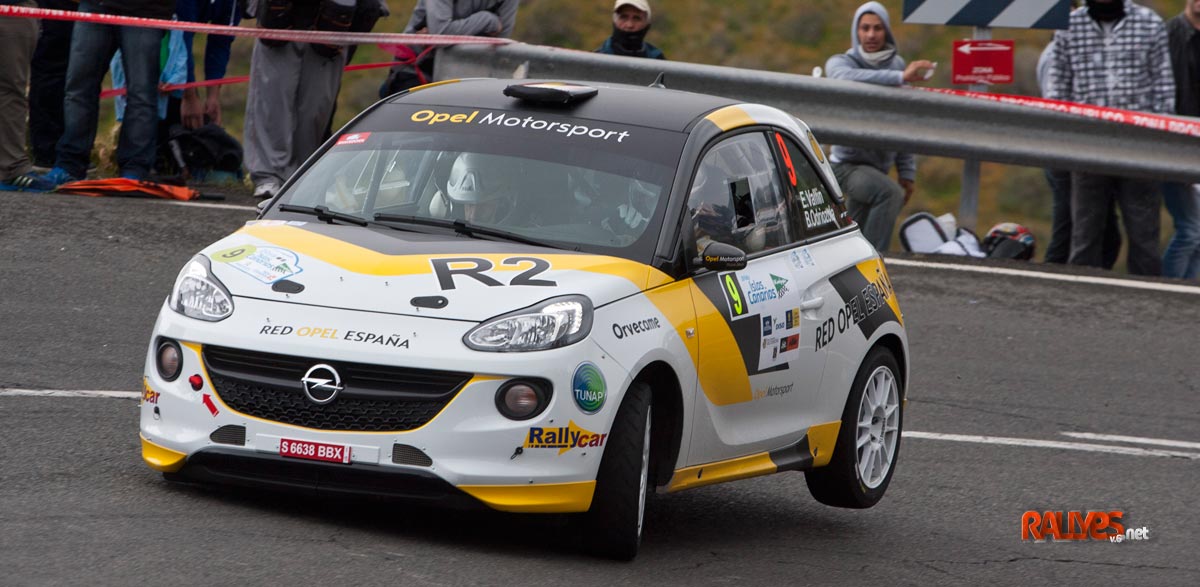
point(1009, 240)
point(476, 178)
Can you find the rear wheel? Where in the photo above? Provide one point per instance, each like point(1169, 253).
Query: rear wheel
point(612, 528)
point(868, 442)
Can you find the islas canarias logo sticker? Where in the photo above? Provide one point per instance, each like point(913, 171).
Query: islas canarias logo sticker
point(564, 438)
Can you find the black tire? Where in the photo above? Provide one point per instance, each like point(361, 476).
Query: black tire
point(612, 528)
point(840, 483)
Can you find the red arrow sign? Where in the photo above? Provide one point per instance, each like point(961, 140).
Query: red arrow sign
point(208, 403)
point(983, 62)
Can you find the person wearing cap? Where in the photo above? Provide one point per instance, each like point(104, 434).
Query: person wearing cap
point(631, 22)
point(874, 199)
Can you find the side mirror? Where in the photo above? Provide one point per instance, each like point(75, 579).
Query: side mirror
point(722, 257)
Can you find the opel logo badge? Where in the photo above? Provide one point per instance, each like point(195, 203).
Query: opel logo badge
point(321, 384)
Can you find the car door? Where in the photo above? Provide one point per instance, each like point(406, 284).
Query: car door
point(843, 270)
point(755, 367)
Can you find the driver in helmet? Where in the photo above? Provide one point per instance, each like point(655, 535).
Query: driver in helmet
point(481, 188)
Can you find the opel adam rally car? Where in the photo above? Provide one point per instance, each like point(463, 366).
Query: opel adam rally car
point(539, 297)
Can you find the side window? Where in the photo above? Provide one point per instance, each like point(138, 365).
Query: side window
point(737, 197)
point(814, 211)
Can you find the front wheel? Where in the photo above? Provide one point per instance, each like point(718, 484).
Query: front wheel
point(612, 528)
point(868, 443)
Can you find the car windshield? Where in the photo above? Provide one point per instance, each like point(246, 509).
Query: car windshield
point(575, 184)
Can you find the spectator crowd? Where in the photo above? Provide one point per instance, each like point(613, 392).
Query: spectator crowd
point(1115, 53)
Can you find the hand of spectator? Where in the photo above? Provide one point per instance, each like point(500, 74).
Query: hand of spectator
point(191, 110)
point(909, 186)
point(915, 72)
point(212, 105)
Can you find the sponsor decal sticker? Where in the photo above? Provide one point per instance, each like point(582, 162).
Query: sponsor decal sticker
point(564, 438)
point(361, 336)
point(149, 396)
point(773, 391)
point(789, 343)
point(588, 388)
point(645, 325)
point(767, 323)
point(1066, 526)
point(780, 284)
point(569, 129)
point(357, 138)
point(266, 264)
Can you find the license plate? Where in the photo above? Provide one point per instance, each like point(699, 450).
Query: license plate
point(314, 451)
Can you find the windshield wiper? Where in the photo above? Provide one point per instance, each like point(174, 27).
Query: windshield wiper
point(324, 214)
point(461, 227)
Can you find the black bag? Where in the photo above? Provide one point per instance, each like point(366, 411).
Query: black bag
point(204, 150)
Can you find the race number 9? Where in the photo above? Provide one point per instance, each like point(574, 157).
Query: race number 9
point(733, 294)
point(787, 159)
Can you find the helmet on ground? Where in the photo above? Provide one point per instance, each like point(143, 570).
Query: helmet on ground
point(1009, 240)
point(476, 178)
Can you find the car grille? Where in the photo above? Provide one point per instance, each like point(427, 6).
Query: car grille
point(375, 398)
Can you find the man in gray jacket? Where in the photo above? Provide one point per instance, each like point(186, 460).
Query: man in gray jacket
point(874, 199)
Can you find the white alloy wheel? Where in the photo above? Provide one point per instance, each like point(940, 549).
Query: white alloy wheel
point(878, 427)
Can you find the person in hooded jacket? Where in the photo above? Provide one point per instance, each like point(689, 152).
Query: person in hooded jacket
point(631, 22)
point(874, 199)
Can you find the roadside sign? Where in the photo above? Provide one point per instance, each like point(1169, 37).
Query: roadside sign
point(1020, 14)
point(982, 62)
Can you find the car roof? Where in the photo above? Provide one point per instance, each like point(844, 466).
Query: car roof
point(659, 108)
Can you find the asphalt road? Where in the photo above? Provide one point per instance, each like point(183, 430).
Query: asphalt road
point(993, 356)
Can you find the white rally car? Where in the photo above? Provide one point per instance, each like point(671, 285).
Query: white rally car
point(539, 297)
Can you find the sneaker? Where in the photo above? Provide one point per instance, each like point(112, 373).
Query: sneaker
point(135, 176)
point(58, 176)
point(29, 182)
point(266, 191)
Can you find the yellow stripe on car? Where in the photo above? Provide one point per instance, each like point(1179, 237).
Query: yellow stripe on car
point(535, 498)
point(875, 272)
point(368, 262)
point(720, 366)
point(722, 471)
point(730, 117)
point(821, 440)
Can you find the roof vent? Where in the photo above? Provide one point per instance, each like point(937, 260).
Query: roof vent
point(550, 92)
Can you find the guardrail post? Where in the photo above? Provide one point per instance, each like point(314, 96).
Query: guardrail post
point(968, 203)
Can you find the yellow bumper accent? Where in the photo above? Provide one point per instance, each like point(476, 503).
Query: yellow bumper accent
point(722, 471)
point(821, 440)
point(549, 498)
point(161, 459)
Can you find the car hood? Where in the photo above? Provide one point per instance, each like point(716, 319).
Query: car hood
point(412, 273)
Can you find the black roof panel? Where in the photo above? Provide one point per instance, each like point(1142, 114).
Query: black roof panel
point(635, 105)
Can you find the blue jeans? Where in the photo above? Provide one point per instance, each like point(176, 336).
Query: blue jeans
point(92, 47)
point(1182, 258)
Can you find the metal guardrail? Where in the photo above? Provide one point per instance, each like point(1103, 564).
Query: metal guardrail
point(865, 115)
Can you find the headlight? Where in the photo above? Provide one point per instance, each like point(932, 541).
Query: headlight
point(554, 323)
point(199, 294)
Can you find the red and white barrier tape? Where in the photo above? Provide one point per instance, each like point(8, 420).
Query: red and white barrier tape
point(389, 41)
point(1186, 126)
point(326, 37)
point(239, 79)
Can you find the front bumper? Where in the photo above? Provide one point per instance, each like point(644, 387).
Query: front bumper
point(467, 451)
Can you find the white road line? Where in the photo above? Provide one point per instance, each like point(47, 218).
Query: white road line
point(1032, 442)
point(1132, 439)
point(1128, 283)
point(8, 392)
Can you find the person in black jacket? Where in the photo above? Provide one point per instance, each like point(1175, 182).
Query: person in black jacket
point(92, 46)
